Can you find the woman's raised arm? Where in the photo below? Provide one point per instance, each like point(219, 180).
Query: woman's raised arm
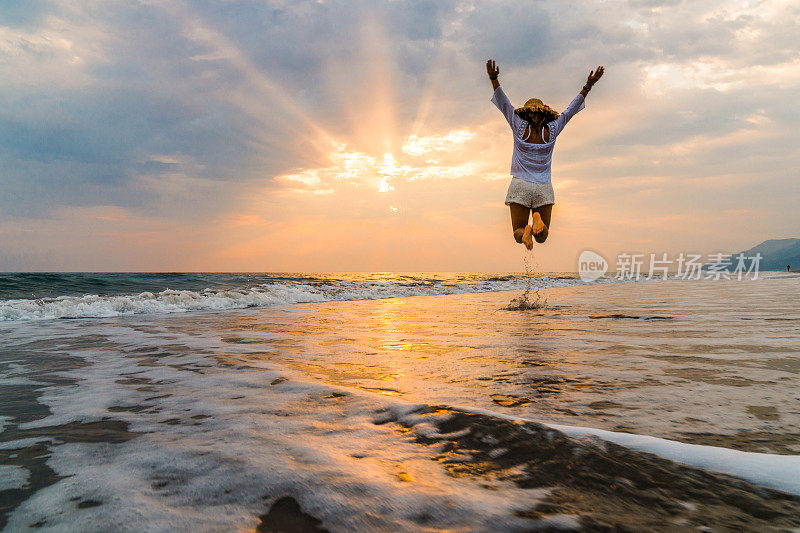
point(499, 97)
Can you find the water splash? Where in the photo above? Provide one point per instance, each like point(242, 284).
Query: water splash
point(530, 297)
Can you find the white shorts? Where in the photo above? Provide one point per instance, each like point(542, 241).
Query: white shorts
point(530, 194)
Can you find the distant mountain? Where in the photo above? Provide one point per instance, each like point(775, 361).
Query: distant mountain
point(775, 254)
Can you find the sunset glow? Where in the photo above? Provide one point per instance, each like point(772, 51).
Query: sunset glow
point(264, 266)
point(272, 139)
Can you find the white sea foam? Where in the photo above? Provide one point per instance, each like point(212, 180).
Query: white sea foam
point(258, 442)
point(19, 444)
point(13, 477)
point(265, 295)
point(780, 472)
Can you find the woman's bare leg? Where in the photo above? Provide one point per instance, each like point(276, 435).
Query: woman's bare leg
point(519, 222)
point(541, 222)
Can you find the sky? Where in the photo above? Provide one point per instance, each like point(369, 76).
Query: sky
point(174, 135)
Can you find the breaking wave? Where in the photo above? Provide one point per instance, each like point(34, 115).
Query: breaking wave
point(261, 295)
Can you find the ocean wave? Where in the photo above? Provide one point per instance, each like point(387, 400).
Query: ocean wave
point(262, 295)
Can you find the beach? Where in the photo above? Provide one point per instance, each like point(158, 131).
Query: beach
point(413, 404)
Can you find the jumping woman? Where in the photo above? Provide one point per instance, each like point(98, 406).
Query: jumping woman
point(535, 127)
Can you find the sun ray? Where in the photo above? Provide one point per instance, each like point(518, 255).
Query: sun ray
point(224, 48)
point(434, 76)
point(426, 99)
point(377, 54)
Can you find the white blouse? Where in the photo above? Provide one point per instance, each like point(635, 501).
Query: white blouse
point(531, 161)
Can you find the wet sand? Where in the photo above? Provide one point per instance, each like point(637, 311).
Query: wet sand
point(363, 415)
point(605, 486)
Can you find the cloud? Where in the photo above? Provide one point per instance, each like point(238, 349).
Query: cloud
point(195, 112)
point(24, 14)
point(418, 146)
point(353, 170)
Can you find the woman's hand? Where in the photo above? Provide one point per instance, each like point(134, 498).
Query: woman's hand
point(492, 69)
point(595, 75)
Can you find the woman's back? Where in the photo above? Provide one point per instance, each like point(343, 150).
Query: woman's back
point(530, 161)
point(534, 136)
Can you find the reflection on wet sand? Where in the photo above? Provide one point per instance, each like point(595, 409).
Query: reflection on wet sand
point(640, 349)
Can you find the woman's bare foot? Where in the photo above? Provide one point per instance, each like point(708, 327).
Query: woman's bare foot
point(537, 226)
point(527, 238)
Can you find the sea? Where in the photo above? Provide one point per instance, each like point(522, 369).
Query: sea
point(398, 402)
